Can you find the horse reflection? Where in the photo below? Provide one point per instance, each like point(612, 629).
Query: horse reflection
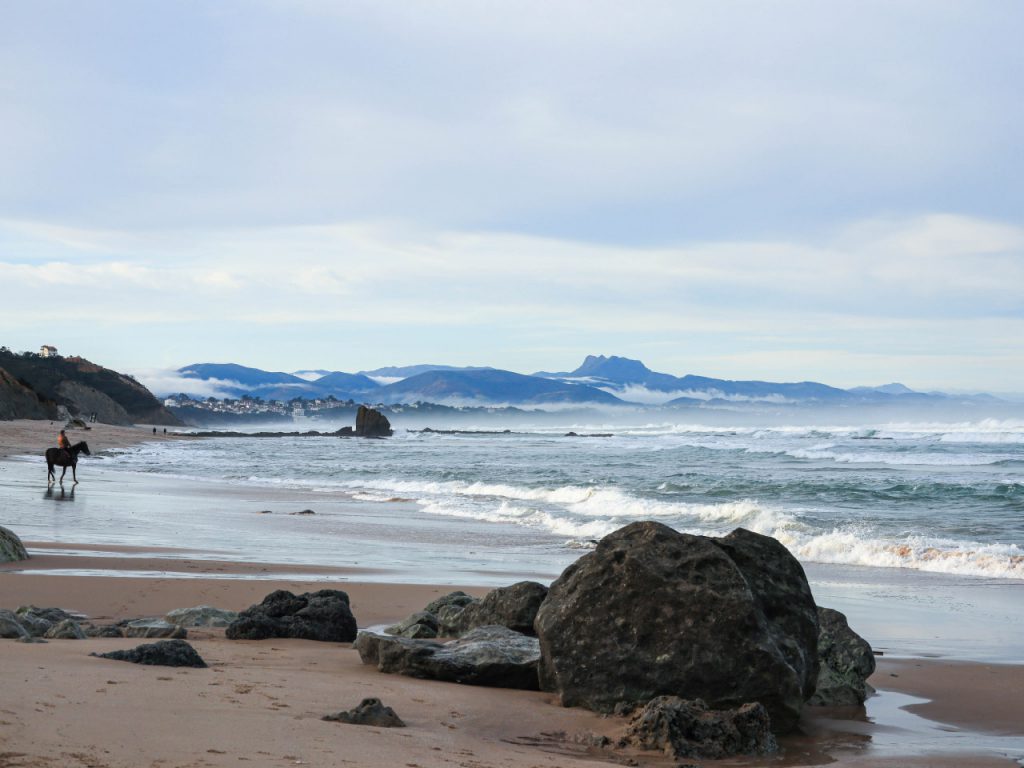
point(59, 495)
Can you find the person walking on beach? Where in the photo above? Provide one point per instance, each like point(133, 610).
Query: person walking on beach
point(64, 444)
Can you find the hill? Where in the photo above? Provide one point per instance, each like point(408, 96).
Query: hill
point(79, 385)
point(489, 386)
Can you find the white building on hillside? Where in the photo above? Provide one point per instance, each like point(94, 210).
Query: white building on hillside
point(47, 351)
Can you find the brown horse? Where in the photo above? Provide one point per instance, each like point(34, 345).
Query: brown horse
point(60, 458)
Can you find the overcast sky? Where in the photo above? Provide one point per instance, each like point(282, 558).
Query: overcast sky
point(776, 190)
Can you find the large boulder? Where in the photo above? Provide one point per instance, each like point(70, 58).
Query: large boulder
point(847, 662)
point(166, 653)
point(514, 607)
point(654, 612)
point(372, 423)
point(683, 729)
point(323, 615)
point(493, 656)
point(11, 548)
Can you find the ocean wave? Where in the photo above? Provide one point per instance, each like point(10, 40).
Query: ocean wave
point(899, 458)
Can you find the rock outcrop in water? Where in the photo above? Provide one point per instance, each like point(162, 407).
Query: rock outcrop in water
point(323, 615)
point(655, 612)
point(847, 662)
point(372, 423)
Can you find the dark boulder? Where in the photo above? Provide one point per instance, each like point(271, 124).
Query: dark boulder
point(372, 423)
point(68, 629)
point(369, 712)
point(323, 615)
point(654, 612)
point(492, 656)
point(11, 548)
point(514, 607)
point(166, 653)
point(847, 662)
point(683, 729)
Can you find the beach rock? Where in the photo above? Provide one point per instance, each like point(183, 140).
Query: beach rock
point(11, 548)
point(419, 625)
point(39, 621)
point(372, 423)
point(153, 628)
point(688, 728)
point(10, 627)
point(105, 630)
point(65, 630)
point(655, 612)
point(847, 661)
point(447, 609)
point(166, 653)
point(514, 607)
point(201, 616)
point(369, 712)
point(492, 656)
point(30, 639)
point(323, 615)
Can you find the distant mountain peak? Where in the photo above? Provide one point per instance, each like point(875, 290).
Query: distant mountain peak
point(614, 367)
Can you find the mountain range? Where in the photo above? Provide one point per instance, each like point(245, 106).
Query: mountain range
point(599, 380)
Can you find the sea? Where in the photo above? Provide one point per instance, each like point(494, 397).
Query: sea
point(923, 518)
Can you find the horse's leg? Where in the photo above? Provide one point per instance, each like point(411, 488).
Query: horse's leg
point(74, 473)
point(50, 477)
point(63, 473)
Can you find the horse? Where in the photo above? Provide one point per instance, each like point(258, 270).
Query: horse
point(58, 457)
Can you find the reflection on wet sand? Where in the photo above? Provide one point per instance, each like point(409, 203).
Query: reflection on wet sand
point(60, 495)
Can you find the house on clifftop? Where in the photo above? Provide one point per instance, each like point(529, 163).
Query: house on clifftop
point(47, 351)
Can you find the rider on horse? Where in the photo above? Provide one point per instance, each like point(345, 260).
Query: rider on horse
point(64, 444)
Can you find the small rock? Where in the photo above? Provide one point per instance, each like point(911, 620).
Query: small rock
point(153, 628)
point(11, 548)
point(514, 607)
point(303, 512)
point(201, 616)
point(38, 621)
point(846, 663)
point(105, 630)
point(30, 639)
point(493, 656)
point(418, 625)
point(68, 629)
point(369, 712)
point(682, 728)
point(10, 627)
point(166, 653)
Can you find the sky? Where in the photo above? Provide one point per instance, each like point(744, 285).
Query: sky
point(785, 190)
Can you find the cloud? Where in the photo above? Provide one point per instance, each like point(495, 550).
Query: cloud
point(164, 381)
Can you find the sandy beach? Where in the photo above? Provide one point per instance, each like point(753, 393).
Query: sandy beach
point(27, 436)
point(260, 703)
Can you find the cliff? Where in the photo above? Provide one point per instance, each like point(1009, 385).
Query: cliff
point(34, 387)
